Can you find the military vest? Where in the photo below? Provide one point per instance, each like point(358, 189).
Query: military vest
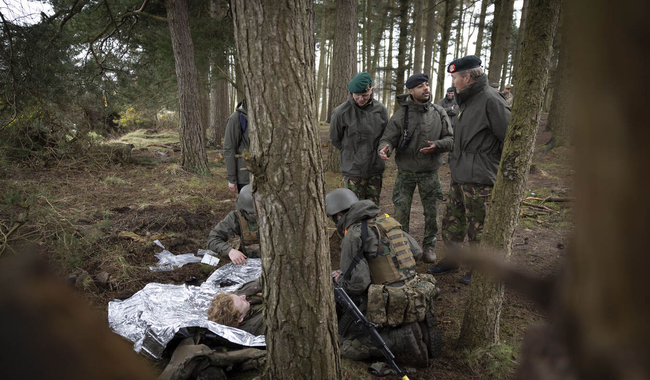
point(394, 259)
point(250, 236)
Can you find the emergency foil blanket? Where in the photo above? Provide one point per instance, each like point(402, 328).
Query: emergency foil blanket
point(152, 316)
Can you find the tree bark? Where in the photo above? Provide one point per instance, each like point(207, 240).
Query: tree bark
point(325, 96)
point(219, 111)
point(388, 87)
point(606, 294)
point(430, 37)
point(481, 319)
point(344, 66)
point(277, 38)
point(401, 48)
point(559, 117)
point(459, 30)
point(481, 27)
point(520, 37)
point(444, 45)
point(417, 64)
point(500, 42)
point(191, 133)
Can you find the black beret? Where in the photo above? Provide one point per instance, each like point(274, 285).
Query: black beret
point(361, 83)
point(465, 63)
point(450, 89)
point(494, 85)
point(415, 79)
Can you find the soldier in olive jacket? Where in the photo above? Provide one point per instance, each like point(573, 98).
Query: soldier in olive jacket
point(420, 132)
point(483, 118)
point(355, 129)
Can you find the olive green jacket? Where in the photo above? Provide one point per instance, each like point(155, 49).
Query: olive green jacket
point(234, 144)
point(427, 122)
point(360, 277)
point(356, 132)
point(254, 321)
point(483, 119)
point(218, 237)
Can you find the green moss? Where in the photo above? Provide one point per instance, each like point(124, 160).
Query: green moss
point(496, 361)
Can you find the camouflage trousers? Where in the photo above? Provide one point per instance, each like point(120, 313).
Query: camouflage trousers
point(430, 193)
point(465, 213)
point(364, 188)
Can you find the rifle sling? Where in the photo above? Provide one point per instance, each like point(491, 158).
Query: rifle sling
point(360, 255)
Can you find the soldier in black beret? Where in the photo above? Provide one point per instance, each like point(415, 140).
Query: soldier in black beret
point(480, 128)
point(450, 105)
point(419, 132)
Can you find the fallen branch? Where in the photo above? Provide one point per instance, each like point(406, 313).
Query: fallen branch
point(559, 199)
point(5, 237)
point(540, 207)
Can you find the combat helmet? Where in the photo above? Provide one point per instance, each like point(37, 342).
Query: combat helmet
point(339, 200)
point(245, 201)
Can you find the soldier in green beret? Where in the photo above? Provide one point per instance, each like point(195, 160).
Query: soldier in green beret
point(355, 129)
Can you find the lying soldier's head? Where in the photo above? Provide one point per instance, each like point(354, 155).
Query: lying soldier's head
point(228, 309)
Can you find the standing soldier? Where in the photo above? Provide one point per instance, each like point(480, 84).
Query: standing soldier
point(508, 95)
point(450, 105)
point(478, 142)
point(420, 131)
point(355, 129)
point(234, 144)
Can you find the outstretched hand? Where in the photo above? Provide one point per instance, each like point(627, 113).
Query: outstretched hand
point(237, 257)
point(430, 148)
point(384, 153)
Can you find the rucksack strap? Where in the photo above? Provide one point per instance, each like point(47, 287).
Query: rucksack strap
point(360, 255)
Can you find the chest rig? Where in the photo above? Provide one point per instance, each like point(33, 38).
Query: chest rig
point(250, 235)
point(393, 261)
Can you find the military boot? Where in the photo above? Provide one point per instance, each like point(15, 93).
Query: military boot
point(431, 334)
point(429, 255)
point(406, 346)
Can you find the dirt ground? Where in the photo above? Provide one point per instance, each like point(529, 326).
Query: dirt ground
point(93, 216)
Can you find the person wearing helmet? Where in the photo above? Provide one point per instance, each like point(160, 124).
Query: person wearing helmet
point(377, 257)
point(241, 222)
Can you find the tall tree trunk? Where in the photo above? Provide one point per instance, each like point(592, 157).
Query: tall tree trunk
point(321, 65)
point(388, 86)
point(288, 187)
point(219, 110)
point(430, 37)
point(190, 131)
point(559, 117)
point(483, 308)
point(501, 41)
point(344, 66)
point(325, 90)
point(402, 48)
point(493, 29)
point(459, 29)
point(607, 299)
point(378, 33)
point(444, 45)
point(481, 27)
point(368, 33)
point(417, 64)
point(520, 37)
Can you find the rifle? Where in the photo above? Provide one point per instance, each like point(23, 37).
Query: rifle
point(343, 299)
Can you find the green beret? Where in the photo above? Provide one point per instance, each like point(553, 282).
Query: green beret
point(361, 82)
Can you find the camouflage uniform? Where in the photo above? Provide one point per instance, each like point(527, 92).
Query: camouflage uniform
point(466, 210)
point(428, 184)
point(427, 122)
point(369, 188)
point(478, 142)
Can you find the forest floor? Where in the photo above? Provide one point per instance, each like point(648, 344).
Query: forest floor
point(101, 213)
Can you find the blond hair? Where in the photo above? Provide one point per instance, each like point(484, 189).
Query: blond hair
point(222, 310)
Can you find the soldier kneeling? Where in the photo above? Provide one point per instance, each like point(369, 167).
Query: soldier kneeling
point(378, 273)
